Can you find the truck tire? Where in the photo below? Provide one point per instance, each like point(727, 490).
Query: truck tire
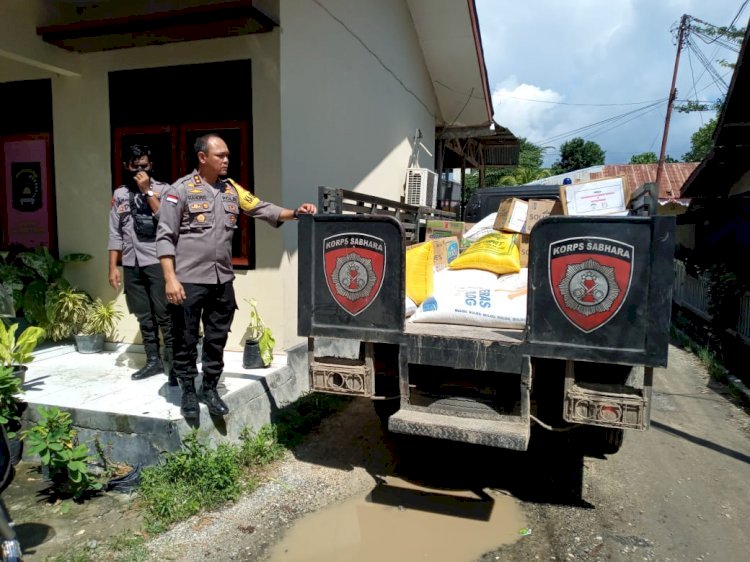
point(613, 439)
point(600, 441)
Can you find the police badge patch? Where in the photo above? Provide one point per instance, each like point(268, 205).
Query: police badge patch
point(354, 268)
point(590, 279)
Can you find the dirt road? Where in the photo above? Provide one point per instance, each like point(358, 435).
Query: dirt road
point(676, 492)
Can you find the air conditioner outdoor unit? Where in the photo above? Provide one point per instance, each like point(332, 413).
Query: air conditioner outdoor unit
point(421, 187)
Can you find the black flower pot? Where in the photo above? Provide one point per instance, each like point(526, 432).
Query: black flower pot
point(16, 450)
point(251, 358)
point(90, 344)
point(19, 371)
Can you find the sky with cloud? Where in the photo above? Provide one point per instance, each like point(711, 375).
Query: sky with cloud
point(556, 67)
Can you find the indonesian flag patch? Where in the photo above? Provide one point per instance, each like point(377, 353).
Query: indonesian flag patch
point(171, 198)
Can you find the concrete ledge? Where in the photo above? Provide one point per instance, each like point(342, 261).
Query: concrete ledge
point(135, 421)
point(740, 386)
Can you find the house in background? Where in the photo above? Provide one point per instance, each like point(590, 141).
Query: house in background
point(716, 228)
point(670, 189)
point(305, 92)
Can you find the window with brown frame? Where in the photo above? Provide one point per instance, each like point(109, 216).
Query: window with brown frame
point(169, 118)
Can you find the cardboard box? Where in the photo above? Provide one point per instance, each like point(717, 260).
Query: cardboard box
point(511, 215)
point(594, 198)
point(523, 249)
point(539, 209)
point(443, 229)
point(446, 250)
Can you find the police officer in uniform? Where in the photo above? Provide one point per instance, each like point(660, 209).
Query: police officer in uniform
point(133, 219)
point(194, 243)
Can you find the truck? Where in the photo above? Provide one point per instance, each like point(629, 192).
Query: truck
point(597, 324)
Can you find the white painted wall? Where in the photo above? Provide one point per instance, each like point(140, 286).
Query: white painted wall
point(326, 111)
point(82, 150)
point(82, 160)
point(349, 107)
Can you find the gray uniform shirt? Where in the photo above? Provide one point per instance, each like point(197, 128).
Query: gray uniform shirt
point(122, 235)
point(196, 225)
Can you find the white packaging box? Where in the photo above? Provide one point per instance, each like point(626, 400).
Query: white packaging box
point(600, 197)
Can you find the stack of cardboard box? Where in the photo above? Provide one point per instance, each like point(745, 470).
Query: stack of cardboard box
point(518, 216)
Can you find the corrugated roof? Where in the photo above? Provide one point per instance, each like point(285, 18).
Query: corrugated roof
point(673, 178)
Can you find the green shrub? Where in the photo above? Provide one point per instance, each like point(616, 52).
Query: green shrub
point(261, 448)
point(55, 441)
point(194, 478)
point(198, 477)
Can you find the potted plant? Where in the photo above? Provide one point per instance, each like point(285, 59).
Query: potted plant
point(100, 321)
point(68, 307)
point(15, 353)
point(10, 410)
point(33, 279)
point(259, 341)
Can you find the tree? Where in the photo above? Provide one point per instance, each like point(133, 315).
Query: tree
point(701, 142)
point(577, 154)
point(531, 155)
point(524, 175)
point(650, 158)
point(644, 158)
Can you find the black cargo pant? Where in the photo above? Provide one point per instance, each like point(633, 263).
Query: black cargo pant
point(214, 305)
point(147, 300)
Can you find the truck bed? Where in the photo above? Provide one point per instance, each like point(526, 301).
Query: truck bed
point(474, 333)
point(465, 347)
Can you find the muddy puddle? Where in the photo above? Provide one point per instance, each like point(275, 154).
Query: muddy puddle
point(400, 521)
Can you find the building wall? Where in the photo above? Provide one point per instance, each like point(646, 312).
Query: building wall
point(335, 103)
point(82, 148)
point(354, 90)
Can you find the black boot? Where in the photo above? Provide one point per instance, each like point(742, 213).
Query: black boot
point(169, 365)
point(190, 409)
point(210, 397)
point(153, 367)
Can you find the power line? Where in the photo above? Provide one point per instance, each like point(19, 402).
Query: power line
point(692, 74)
point(601, 132)
point(739, 12)
point(611, 119)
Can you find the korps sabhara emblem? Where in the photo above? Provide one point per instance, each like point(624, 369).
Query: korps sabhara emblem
point(590, 278)
point(354, 266)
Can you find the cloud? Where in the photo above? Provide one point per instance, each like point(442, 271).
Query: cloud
point(530, 119)
point(595, 53)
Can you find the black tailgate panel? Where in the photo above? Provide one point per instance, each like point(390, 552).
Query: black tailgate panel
point(601, 289)
point(351, 278)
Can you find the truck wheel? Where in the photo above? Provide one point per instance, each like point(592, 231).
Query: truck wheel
point(600, 441)
point(613, 439)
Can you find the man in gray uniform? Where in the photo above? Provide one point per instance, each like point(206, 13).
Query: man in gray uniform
point(132, 236)
point(194, 243)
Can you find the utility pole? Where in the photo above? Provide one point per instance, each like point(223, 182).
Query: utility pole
point(672, 96)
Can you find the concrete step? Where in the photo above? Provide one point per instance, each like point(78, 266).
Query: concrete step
point(507, 434)
point(135, 421)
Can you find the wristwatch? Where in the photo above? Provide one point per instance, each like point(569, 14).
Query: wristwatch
point(149, 193)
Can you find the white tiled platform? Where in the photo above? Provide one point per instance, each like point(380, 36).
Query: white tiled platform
point(136, 420)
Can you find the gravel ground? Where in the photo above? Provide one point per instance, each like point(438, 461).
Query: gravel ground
point(324, 470)
point(676, 492)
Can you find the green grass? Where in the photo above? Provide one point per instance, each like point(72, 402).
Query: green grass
point(716, 370)
point(199, 477)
